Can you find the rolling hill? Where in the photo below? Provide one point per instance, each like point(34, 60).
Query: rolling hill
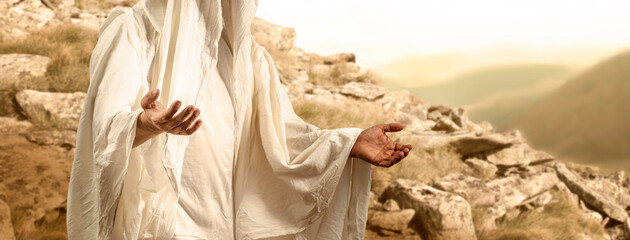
point(475, 86)
point(588, 118)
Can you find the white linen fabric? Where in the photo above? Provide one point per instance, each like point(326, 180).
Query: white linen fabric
point(254, 170)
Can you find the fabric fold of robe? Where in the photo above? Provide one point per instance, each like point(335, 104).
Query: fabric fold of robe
point(291, 180)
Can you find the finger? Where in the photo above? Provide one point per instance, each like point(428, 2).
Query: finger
point(407, 147)
point(149, 98)
point(398, 147)
point(393, 159)
point(189, 121)
point(170, 112)
point(399, 156)
point(194, 127)
point(393, 127)
point(180, 117)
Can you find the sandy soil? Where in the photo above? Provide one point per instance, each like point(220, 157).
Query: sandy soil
point(34, 183)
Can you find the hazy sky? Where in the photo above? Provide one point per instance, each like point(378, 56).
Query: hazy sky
point(381, 31)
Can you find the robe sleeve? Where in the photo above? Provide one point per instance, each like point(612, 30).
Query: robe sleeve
point(304, 183)
point(107, 128)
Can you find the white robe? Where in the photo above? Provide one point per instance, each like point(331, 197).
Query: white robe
point(287, 178)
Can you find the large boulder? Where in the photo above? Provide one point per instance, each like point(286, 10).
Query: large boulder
point(404, 107)
point(17, 68)
point(439, 215)
point(600, 202)
point(6, 227)
point(57, 110)
point(473, 189)
point(404, 101)
point(18, 18)
point(608, 187)
point(514, 190)
point(87, 20)
point(272, 36)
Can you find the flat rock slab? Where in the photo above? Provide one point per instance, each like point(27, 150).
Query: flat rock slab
point(362, 90)
point(465, 143)
point(486, 142)
point(439, 214)
point(518, 155)
point(501, 194)
point(57, 110)
point(18, 66)
point(64, 138)
point(602, 203)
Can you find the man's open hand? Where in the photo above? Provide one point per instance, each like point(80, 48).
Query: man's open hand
point(156, 119)
point(375, 147)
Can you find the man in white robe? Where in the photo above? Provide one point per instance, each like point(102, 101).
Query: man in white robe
point(252, 170)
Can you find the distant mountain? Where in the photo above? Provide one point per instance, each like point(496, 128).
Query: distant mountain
point(473, 87)
point(424, 69)
point(587, 118)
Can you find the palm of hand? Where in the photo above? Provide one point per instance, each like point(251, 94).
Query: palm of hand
point(156, 112)
point(375, 147)
point(157, 118)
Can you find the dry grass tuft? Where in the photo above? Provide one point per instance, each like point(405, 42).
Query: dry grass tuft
point(559, 220)
point(426, 165)
point(329, 76)
point(354, 113)
point(69, 48)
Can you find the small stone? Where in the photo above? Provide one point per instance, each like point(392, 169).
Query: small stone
point(393, 221)
point(391, 206)
point(481, 168)
point(445, 124)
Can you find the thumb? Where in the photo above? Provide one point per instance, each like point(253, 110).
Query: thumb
point(149, 99)
point(393, 127)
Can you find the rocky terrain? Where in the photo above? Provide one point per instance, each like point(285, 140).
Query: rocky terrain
point(463, 180)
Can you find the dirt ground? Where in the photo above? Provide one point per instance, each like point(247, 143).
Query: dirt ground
point(34, 183)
